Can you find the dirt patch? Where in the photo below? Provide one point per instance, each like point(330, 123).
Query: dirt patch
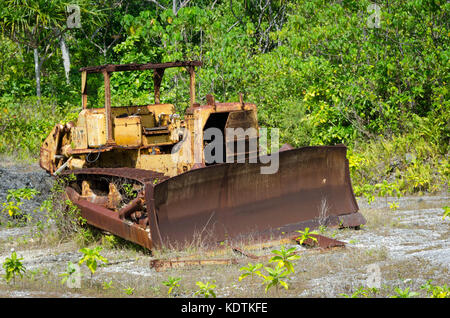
point(16, 177)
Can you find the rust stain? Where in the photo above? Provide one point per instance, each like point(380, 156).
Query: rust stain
point(322, 241)
point(161, 265)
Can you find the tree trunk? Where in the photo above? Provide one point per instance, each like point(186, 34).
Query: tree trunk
point(37, 71)
point(65, 57)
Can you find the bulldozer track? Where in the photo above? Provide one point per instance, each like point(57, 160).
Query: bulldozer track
point(145, 233)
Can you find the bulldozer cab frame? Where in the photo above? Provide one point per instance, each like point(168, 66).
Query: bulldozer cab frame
point(158, 73)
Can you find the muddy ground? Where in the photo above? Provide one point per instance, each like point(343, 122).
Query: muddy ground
point(403, 248)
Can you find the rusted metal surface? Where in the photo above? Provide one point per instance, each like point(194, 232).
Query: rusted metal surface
point(286, 147)
point(221, 107)
point(98, 215)
point(245, 253)
point(134, 205)
point(109, 129)
point(230, 200)
point(191, 85)
point(48, 151)
point(157, 78)
point(351, 220)
point(88, 195)
point(90, 150)
point(322, 241)
point(138, 67)
point(84, 89)
point(161, 265)
point(108, 220)
point(139, 175)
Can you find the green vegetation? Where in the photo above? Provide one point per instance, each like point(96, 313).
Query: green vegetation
point(12, 208)
point(275, 277)
point(14, 199)
point(318, 71)
point(446, 212)
point(404, 293)
point(65, 218)
point(250, 270)
point(129, 291)
point(172, 283)
point(69, 274)
point(92, 257)
point(305, 235)
point(436, 291)
point(107, 285)
point(128, 188)
point(432, 291)
point(205, 290)
point(362, 292)
point(284, 257)
point(13, 267)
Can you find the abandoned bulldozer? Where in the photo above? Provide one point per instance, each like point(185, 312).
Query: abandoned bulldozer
point(148, 175)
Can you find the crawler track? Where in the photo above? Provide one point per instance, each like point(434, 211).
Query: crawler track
point(136, 221)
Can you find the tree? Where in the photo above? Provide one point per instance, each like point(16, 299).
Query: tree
point(39, 25)
point(106, 35)
point(36, 25)
point(264, 16)
point(176, 5)
point(13, 267)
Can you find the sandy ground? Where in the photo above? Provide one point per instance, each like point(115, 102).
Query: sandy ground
point(402, 248)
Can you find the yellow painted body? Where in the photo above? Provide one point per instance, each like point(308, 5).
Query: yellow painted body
point(128, 131)
point(144, 137)
point(96, 130)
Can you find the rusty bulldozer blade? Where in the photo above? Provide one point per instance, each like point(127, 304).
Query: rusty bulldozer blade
point(233, 201)
point(311, 187)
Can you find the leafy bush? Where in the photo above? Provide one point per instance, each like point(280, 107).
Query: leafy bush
point(14, 199)
point(275, 277)
point(66, 216)
point(361, 292)
point(446, 212)
point(250, 270)
point(436, 291)
point(13, 267)
point(172, 283)
point(206, 289)
point(305, 235)
point(284, 258)
point(69, 275)
point(25, 123)
point(92, 258)
point(404, 293)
